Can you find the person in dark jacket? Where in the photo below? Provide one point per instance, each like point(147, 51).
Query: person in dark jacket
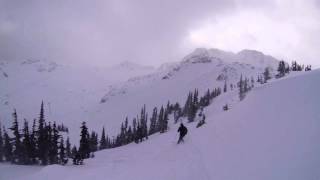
point(183, 131)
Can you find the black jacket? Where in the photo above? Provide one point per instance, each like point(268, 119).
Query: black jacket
point(182, 130)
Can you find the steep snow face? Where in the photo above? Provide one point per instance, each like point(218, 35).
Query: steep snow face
point(272, 134)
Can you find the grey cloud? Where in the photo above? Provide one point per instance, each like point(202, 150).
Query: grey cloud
point(98, 31)
point(104, 32)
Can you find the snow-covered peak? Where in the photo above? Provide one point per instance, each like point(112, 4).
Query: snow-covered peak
point(200, 55)
point(252, 57)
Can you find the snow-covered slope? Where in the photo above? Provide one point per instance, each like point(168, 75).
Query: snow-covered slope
point(103, 97)
point(201, 69)
point(67, 91)
point(272, 134)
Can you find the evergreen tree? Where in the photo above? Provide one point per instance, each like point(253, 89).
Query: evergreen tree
point(186, 108)
point(281, 69)
point(18, 149)
point(246, 85)
point(252, 83)
point(258, 79)
point(84, 148)
point(129, 135)
point(266, 75)
point(153, 121)
point(53, 141)
point(169, 107)
point(135, 131)
point(308, 68)
point(27, 146)
point(164, 122)
point(42, 138)
point(1, 145)
point(75, 155)
point(207, 98)
point(143, 123)
point(62, 152)
point(74, 151)
point(241, 86)
point(103, 140)
point(294, 66)
point(160, 123)
point(225, 86)
point(68, 148)
point(33, 143)
point(195, 101)
point(7, 147)
point(93, 142)
point(193, 107)
point(126, 135)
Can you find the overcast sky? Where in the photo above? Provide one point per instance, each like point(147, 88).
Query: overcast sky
point(105, 32)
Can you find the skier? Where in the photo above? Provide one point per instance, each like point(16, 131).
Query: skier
point(183, 131)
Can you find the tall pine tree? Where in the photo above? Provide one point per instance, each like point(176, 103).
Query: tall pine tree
point(27, 146)
point(18, 149)
point(153, 121)
point(33, 143)
point(103, 140)
point(84, 148)
point(42, 138)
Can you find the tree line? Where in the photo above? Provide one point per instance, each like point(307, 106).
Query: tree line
point(284, 68)
point(140, 129)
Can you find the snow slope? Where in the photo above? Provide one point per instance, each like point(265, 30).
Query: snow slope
point(75, 88)
point(201, 69)
point(273, 134)
point(104, 97)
